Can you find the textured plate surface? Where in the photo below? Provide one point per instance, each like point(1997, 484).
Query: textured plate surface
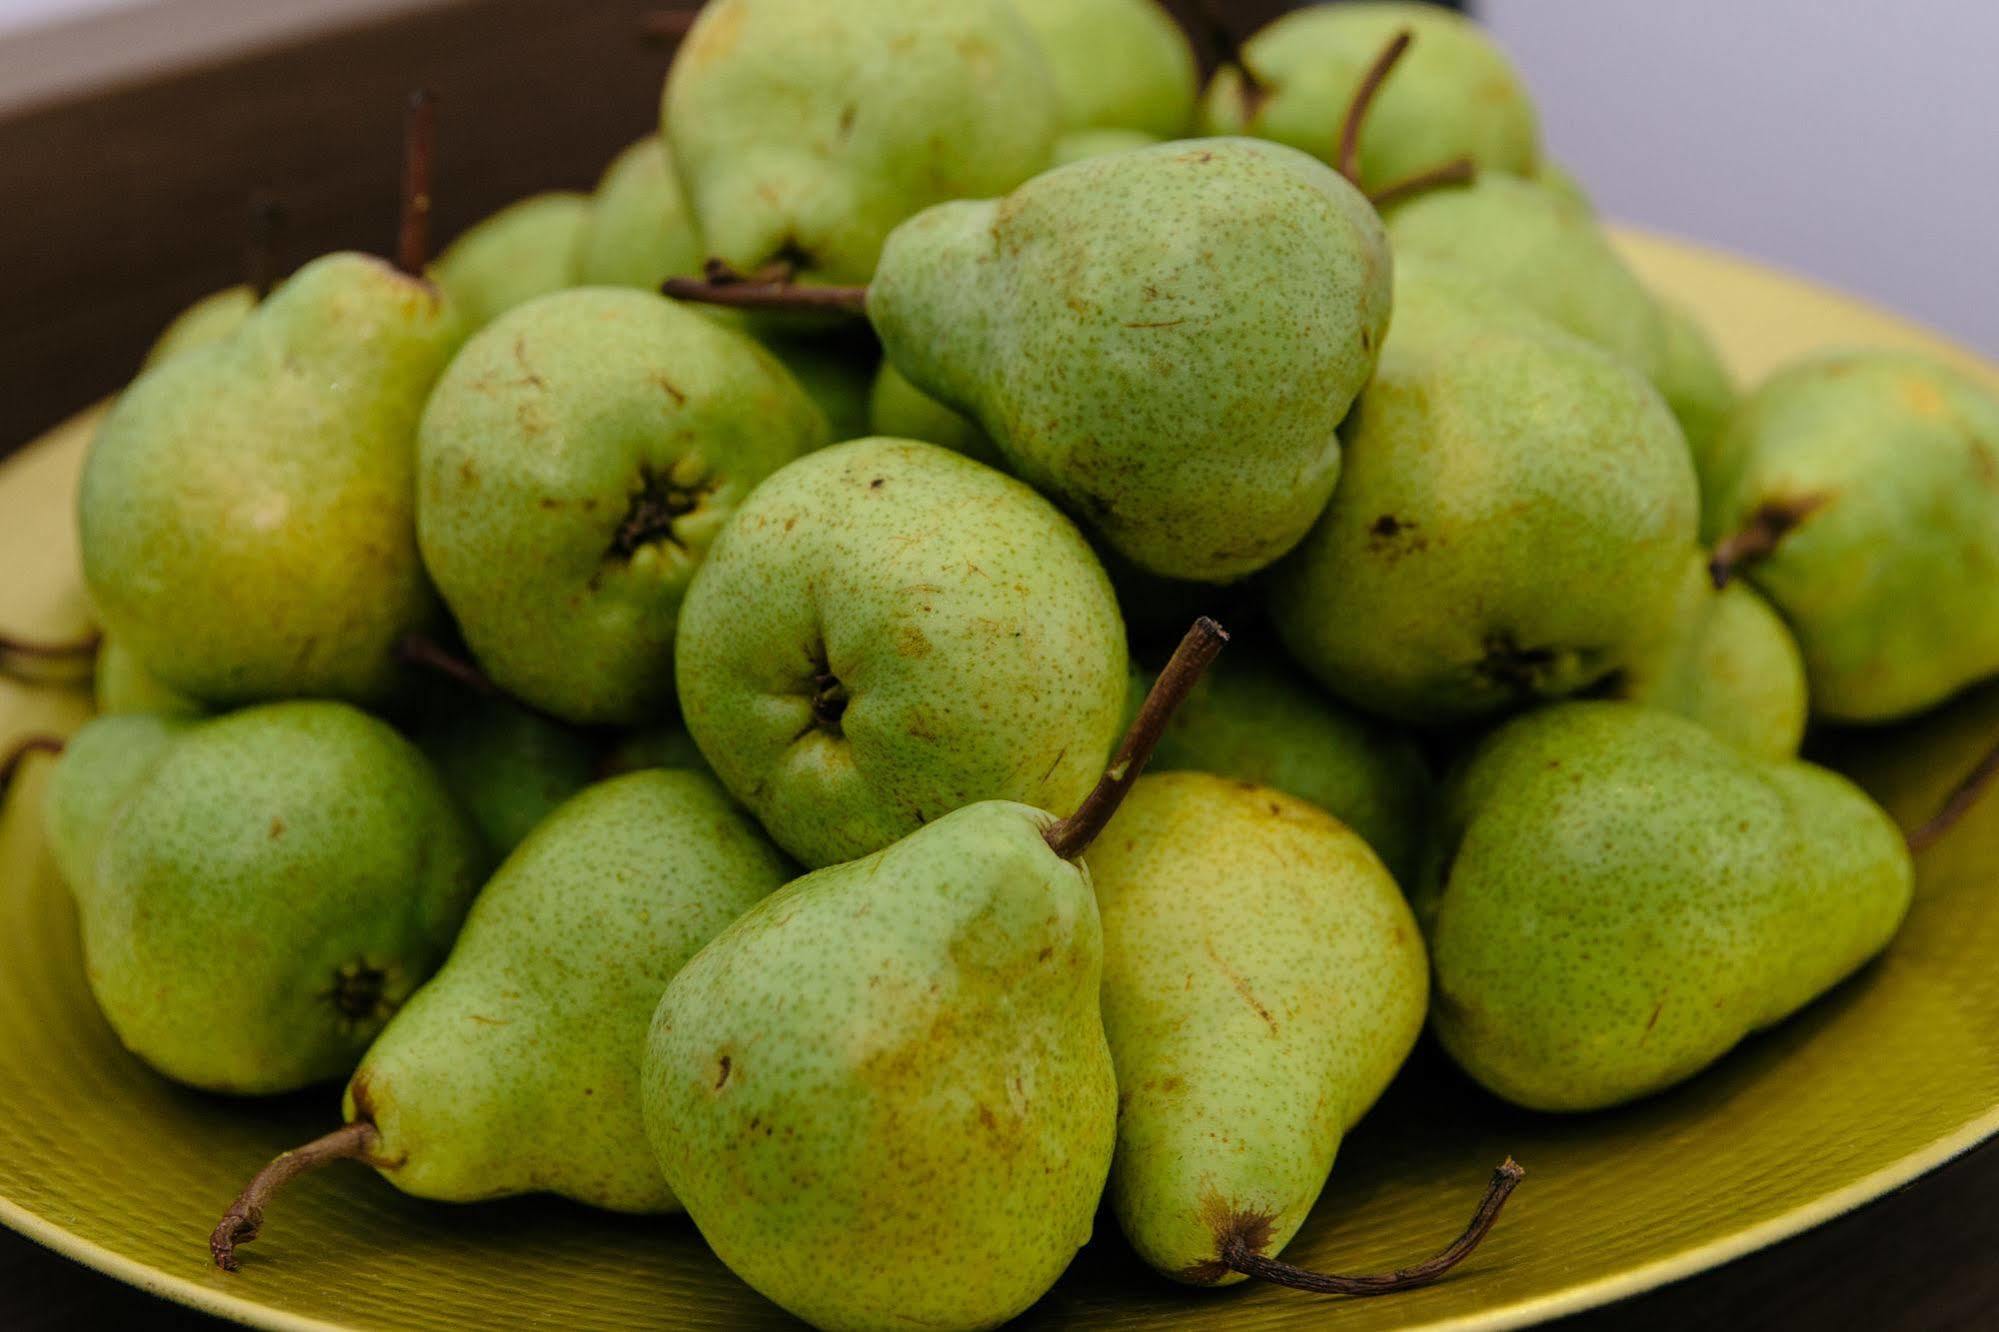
point(1892, 1075)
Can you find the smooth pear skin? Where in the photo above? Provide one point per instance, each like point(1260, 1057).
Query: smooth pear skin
point(248, 507)
point(1118, 64)
point(1513, 524)
point(893, 1066)
point(515, 1070)
point(123, 684)
point(1891, 583)
point(1263, 981)
point(638, 231)
point(885, 632)
point(805, 132)
point(525, 250)
point(1164, 341)
point(507, 767)
point(266, 893)
point(899, 409)
point(1453, 95)
point(1625, 897)
point(1696, 382)
point(213, 318)
point(575, 463)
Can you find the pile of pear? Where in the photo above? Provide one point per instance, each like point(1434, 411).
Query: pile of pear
point(639, 697)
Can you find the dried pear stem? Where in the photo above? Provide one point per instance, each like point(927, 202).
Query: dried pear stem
point(419, 169)
point(1069, 838)
point(13, 759)
point(1457, 171)
point(1957, 804)
point(1348, 159)
point(769, 288)
point(245, 1217)
point(81, 649)
point(667, 25)
point(422, 650)
point(260, 252)
point(1236, 1254)
point(1760, 536)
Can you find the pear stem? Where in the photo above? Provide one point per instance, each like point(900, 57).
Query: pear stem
point(667, 25)
point(16, 758)
point(422, 650)
point(419, 167)
point(1236, 1254)
point(260, 252)
point(769, 288)
point(245, 1218)
point(1760, 536)
point(29, 650)
point(1069, 838)
point(1457, 171)
point(1348, 159)
point(1957, 804)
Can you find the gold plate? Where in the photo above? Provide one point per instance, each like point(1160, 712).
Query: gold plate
point(1892, 1075)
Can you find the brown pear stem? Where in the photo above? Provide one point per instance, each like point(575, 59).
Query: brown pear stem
point(1760, 536)
point(1236, 1254)
point(1957, 804)
point(260, 252)
point(13, 760)
point(1348, 159)
point(17, 653)
point(769, 288)
point(1457, 171)
point(667, 25)
point(422, 650)
point(245, 1218)
point(419, 169)
point(1069, 838)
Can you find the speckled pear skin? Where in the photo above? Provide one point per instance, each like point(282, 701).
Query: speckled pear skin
point(213, 318)
point(507, 767)
point(1626, 896)
point(891, 1066)
point(1112, 320)
point(1727, 661)
point(1513, 522)
point(1543, 251)
point(270, 892)
point(1453, 95)
point(1118, 64)
point(806, 132)
point(1256, 719)
point(574, 464)
point(885, 632)
point(1263, 981)
point(1695, 381)
point(123, 684)
point(1892, 584)
point(515, 1069)
point(525, 250)
point(1081, 145)
point(899, 409)
point(101, 766)
point(247, 509)
point(638, 231)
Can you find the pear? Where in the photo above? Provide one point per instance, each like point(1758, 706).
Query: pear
point(574, 465)
point(1623, 897)
point(661, 745)
point(1080, 145)
point(886, 631)
point(899, 409)
point(514, 1070)
point(525, 250)
point(1512, 526)
point(804, 132)
point(1118, 64)
point(123, 684)
point(1859, 492)
point(258, 893)
point(1561, 182)
point(1256, 720)
point(1696, 382)
point(836, 370)
point(213, 318)
point(1727, 661)
point(508, 768)
point(637, 231)
point(1455, 96)
point(1263, 981)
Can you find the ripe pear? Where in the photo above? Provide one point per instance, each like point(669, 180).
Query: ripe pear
point(805, 132)
point(1624, 896)
point(1263, 981)
point(247, 508)
point(886, 631)
point(1118, 64)
point(901, 410)
point(1080, 145)
point(213, 318)
point(637, 231)
point(123, 684)
point(1859, 492)
point(1454, 95)
point(508, 768)
point(1696, 382)
point(525, 250)
point(574, 465)
point(1561, 182)
point(258, 893)
point(1256, 720)
point(1111, 320)
point(1513, 522)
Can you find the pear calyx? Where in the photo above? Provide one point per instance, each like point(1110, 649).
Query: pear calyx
point(15, 651)
point(1760, 536)
point(245, 1218)
point(419, 163)
point(12, 760)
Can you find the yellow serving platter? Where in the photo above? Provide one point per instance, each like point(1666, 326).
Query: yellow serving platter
point(1892, 1075)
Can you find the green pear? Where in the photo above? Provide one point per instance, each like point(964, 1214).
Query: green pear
point(886, 631)
point(1109, 321)
point(260, 892)
point(1454, 95)
point(1263, 981)
point(124, 684)
point(1512, 525)
point(247, 508)
point(805, 132)
point(1859, 492)
point(1624, 897)
point(525, 250)
point(508, 768)
point(1081, 145)
point(1118, 64)
point(660, 745)
point(574, 464)
point(637, 231)
point(213, 318)
point(1561, 182)
point(1256, 720)
point(1726, 661)
point(1696, 382)
point(901, 410)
